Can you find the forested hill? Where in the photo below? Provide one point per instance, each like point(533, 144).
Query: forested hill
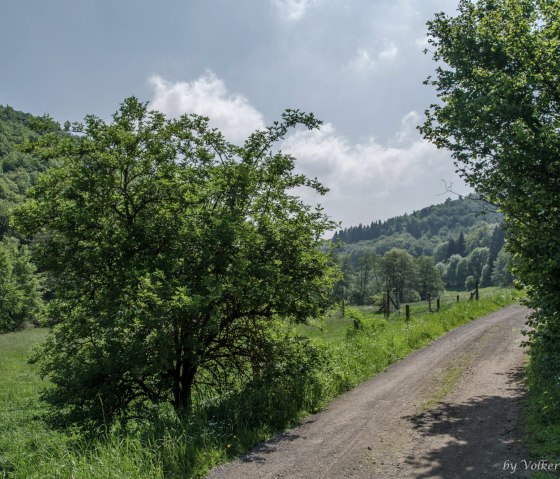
point(451, 245)
point(445, 219)
point(21, 286)
point(18, 170)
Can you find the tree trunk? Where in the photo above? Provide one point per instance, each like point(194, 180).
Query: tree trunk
point(182, 390)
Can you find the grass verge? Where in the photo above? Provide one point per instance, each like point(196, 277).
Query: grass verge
point(224, 427)
point(542, 414)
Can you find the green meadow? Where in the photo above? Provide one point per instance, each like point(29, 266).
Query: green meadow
point(348, 351)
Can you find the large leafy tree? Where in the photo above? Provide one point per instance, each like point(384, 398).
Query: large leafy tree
point(174, 253)
point(498, 83)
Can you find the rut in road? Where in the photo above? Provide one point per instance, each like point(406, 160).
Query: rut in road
point(449, 410)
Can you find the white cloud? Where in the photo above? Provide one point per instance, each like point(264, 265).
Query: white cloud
point(407, 132)
point(349, 169)
point(371, 180)
point(389, 52)
point(366, 60)
point(293, 10)
point(422, 42)
point(368, 180)
point(363, 60)
point(207, 95)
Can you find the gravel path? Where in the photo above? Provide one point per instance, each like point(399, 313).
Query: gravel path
point(450, 410)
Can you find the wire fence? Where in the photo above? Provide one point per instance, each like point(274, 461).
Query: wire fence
point(391, 304)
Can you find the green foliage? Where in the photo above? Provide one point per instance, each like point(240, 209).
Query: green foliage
point(398, 272)
point(174, 254)
point(414, 278)
point(477, 259)
point(501, 276)
point(429, 278)
point(498, 116)
point(542, 431)
point(18, 170)
point(470, 283)
point(20, 287)
point(366, 273)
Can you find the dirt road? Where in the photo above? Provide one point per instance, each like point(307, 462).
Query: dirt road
point(450, 410)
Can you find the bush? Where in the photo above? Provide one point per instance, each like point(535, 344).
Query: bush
point(411, 296)
point(470, 283)
point(20, 287)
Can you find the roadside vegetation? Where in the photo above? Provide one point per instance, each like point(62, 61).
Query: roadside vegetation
point(498, 114)
point(543, 407)
point(345, 352)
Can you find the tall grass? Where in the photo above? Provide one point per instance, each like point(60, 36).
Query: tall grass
point(543, 407)
point(221, 428)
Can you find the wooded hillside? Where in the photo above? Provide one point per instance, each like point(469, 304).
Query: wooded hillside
point(452, 245)
point(18, 170)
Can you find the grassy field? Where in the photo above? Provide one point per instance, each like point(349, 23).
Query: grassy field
point(223, 428)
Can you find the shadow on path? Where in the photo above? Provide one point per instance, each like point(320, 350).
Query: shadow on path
point(473, 439)
point(258, 454)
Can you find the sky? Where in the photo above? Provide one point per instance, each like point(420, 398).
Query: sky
point(358, 65)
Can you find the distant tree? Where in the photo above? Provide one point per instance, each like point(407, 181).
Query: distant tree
point(440, 253)
point(486, 276)
point(366, 273)
point(398, 271)
point(476, 261)
point(460, 245)
point(451, 278)
point(428, 277)
point(462, 272)
point(175, 254)
point(478, 237)
point(451, 248)
point(470, 283)
point(496, 243)
point(501, 276)
point(345, 284)
point(441, 269)
point(413, 227)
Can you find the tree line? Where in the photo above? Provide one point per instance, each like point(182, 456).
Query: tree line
point(436, 220)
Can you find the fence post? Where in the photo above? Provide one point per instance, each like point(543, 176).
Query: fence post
point(343, 306)
point(476, 291)
point(457, 298)
point(386, 305)
point(429, 302)
point(407, 309)
point(437, 305)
